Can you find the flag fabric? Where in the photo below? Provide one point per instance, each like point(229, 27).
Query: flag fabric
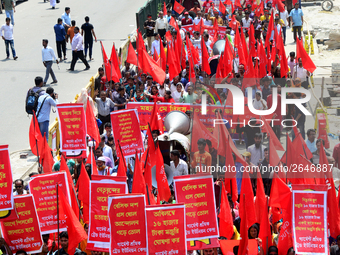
point(75, 230)
point(156, 122)
point(307, 62)
point(155, 56)
point(83, 192)
point(249, 74)
point(47, 158)
point(115, 69)
point(226, 219)
point(106, 63)
point(239, 46)
point(171, 61)
point(91, 124)
point(91, 160)
point(178, 8)
point(243, 247)
point(249, 206)
point(230, 179)
point(282, 56)
point(35, 137)
point(265, 233)
point(162, 56)
point(165, 11)
point(162, 182)
point(267, 129)
point(205, 58)
point(263, 60)
point(173, 23)
point(132, 56)
point(274, 158)
point(222, 8)
point(151, 67)
point(286, 240)
point(269, 31)
point(261, 200)
point(280, 194)
point(138, 184)
point(122, 169)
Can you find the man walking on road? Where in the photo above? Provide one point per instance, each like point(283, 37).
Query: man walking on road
point(9, 9)
point(66, 17)
point(45, 102)
point(296, 19)
point(77, 50)
point(87, 28)
point(60, 38)
point(48, 56)
point(7, 36)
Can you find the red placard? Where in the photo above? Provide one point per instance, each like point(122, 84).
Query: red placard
point(23, 233)
point(211, 30)
point(95, 177)
point(310, 219)
point(128, 224)
point(6, 180)
point(127, 131)
point(99, 228)
point(72, 128)
point(166, 229)
point(197, 193)
point(44, 191)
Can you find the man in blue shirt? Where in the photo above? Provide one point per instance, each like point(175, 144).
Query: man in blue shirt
point(311, 141)
point(45, 102)
point(296, 18)
point(60, 38)
point(66, 17)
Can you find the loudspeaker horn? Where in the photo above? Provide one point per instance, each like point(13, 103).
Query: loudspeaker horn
point(168, 172)
point(176, 121)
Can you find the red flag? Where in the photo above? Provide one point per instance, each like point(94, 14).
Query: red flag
point(269, 31)
point(178, 8)
point(35, 137)
point(227, 58)
point(243, 247)
point(205, 58)
point(91, 124)
point(249, 74)
point(226, 219)
point(282, 56)
point(47, 158)
point(261, 200)
point(252, 40)
point(280, 6)
point(244, 44)
point(106, 63)
point(265, 233)
point(192, 75)
point(116, 74)
point(263, 61)
point(220, 67)
point(333, 216)
point(122, 169)
point(156, 122)
point(131, 55)
point(162, 182)
point(91, 160)
point(138, 185)
point(165, 11)
point(193, 51)
point(173, 71)
point(151, 67)
point(230, 178)
point(280, 194)
point(75, 230)
point(162, 56)
point(267, 129)
point(239, 46)
point(155, 56)
point(173, 23)
point(274, 158)
point(222, 8)
point(306, 60)
point(249, 206)
point(83, 192)
point(286, 240)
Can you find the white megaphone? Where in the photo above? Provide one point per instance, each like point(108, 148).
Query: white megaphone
point(168, 172)
point(176, 121)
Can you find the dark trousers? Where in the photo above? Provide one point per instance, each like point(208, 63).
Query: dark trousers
point(78, 54)
point(88, 45)
point(297, 29)
point(284, 29)
point(61, 45)
point(161, 33)
point(104, 119)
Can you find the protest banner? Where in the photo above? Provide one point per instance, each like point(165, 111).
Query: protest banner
point(72, 126)
point(197, 193)
point(127, 131)
point(6, 180)
point(310, 219)
point(145, 110)
point(127, 224)
point(23, 233)
point(211, 30)
point(227, 246)
point(202, 244)
point(95, 177)
point(166, 229)
point(44, 191)
point(99, 228)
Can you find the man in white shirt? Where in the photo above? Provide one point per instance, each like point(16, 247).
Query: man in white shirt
point(198, 18)
point(161, 25)
point(78, 50)
point(178, 166)
point(7, 36)
point(246, 21)
point(107, 150)
point(155, 46)
point(300, 72)
point(48, 56)
point(284, 16)
point(206, 21)
point(19, 188)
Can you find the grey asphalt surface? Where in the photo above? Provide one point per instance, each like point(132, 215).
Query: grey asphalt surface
point(113, 20)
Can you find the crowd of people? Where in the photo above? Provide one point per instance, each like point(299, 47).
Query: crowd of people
point(186, 86)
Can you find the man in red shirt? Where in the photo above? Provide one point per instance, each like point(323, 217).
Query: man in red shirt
point(207, 4)
point(186, 20)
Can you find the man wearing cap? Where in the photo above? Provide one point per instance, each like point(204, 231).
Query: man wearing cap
point(186, 20)
point(178, 166)
point(195, 9)
point(149, 26)
point(155, 46)
point(161, 25)
point(296, 20)
point(256, 150)
point(102, 168)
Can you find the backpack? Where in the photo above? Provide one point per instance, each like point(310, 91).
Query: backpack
point(32, 101)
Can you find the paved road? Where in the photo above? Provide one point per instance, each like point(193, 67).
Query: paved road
point(113, 20)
